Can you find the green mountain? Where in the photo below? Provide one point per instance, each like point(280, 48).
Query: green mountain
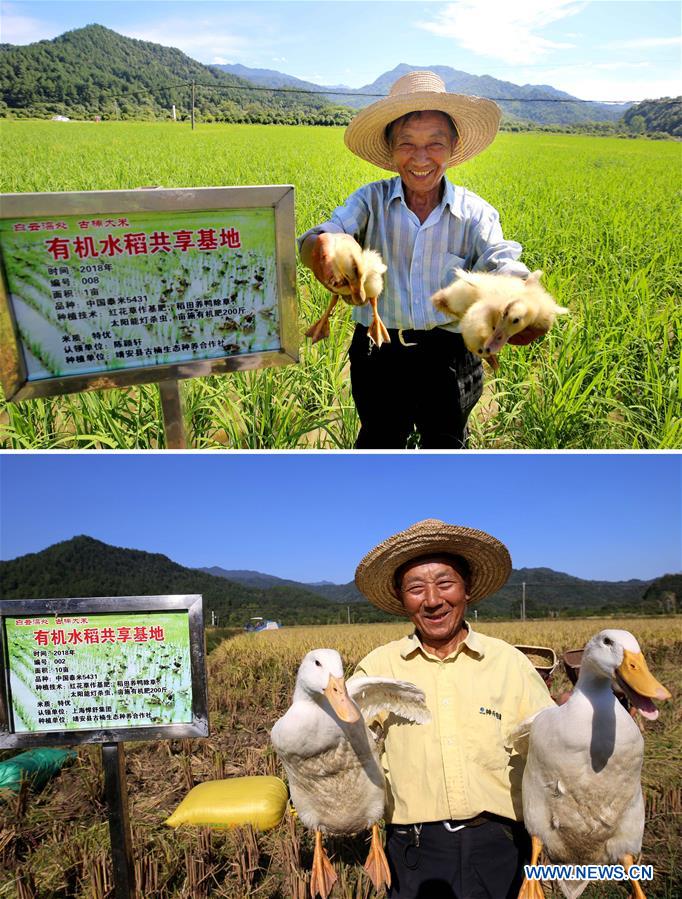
point(547, 592)
point(664, 116)
point(96, 71)
point(664, 595)
point(83, 566)
point(539, 103)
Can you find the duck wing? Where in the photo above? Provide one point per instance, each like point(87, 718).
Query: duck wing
point(377, 695)
point(519, 736)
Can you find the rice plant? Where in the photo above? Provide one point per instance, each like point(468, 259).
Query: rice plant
point(598, 215)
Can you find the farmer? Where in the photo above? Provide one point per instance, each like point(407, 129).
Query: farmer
point(453, 806)
point(424, 227)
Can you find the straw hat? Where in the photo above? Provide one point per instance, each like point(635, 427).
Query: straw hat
point(476, 119)
point(489, 560)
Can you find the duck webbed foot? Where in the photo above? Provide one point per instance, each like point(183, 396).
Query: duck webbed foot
point(322, 877)
point(376, 865)
point(637, 891)
point(377, 330)
point(532, 889)
point(320, 329)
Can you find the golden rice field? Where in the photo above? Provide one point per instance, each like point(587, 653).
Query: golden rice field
point(54, 844)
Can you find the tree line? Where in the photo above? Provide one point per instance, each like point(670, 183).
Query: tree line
point(139, 80)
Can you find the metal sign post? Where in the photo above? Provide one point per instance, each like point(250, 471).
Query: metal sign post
point(56, 686)
point(116, 794)
point(173, 417)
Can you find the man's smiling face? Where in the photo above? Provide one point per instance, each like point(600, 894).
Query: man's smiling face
point(421, 148)
point(435, 597)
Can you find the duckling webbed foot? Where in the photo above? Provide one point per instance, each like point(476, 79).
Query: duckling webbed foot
point(320, 329)
point(322, 877)
point(377, 330)
point(376, 865)
point(637, 891)
point(532, 889)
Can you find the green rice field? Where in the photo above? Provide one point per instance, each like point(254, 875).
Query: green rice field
point(598, 215)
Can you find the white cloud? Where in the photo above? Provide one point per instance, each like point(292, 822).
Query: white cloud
point(502, 29)
point(590, 83)
point(204, 41)
point(244, 36)
point(18, 28)
point(610, 66)
point(638, 42)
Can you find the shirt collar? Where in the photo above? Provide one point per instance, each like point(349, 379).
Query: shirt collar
point(411, 644)
point(452, 196)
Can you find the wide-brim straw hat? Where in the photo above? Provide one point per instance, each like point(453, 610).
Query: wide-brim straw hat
point(488, 558)
point(476, 119)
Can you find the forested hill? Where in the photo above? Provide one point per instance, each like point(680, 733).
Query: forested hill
point(96, 71)
point(664, 115)
point(547, 592)
point(83, 566)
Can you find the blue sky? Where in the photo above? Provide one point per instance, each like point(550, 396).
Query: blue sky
point(605, 50)
point(313, 516)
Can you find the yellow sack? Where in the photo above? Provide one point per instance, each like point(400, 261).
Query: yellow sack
point(259, 801)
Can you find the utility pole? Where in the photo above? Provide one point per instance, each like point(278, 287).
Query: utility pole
point(192, 105)
point(348, 607)
point(523, 601)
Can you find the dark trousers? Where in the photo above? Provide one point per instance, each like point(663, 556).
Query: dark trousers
point(483, 862)
point(432, 387)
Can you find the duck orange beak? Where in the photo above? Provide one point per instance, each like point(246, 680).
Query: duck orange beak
point(340, 701)
point(639, 684)
point(635, 672)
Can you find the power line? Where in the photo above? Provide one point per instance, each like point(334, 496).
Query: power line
point(351, 93)
point(330, 93)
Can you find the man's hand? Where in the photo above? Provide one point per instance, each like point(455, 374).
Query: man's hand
point(528, 335)
point(319, 257)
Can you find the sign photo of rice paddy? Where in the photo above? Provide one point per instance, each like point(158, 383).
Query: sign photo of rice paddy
point(605, 377)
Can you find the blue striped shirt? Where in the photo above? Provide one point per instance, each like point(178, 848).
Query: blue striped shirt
point(463, 231)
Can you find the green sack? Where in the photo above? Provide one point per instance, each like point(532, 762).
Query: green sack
point(36, 765)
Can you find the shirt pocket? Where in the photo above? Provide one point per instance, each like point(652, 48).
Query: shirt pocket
point(490, 749)
point(450, 263)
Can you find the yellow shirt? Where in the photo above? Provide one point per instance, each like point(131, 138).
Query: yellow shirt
point(461, 763)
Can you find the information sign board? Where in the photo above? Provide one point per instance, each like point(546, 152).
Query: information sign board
point(102, 670)
point(109, 288)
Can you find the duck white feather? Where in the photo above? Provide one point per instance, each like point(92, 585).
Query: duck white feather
point(582, 796)
point(335, 776)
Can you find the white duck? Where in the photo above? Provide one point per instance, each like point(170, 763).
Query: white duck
point(582, 797)
point(332, 759)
